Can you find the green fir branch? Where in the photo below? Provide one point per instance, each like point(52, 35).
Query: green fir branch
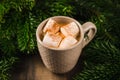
point(102, 62)
point(6, 64)
point(99, 72)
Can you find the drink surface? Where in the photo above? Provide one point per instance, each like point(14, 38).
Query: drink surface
point(60, 35)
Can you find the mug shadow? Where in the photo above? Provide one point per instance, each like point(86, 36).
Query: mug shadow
point(32, 68)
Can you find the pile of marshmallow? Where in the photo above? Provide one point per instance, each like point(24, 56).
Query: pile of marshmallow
point(60, 36)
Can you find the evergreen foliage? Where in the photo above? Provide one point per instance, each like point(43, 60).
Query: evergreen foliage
point(102, 62)
point(5, 67)
point(102, 55)
point(20, 18)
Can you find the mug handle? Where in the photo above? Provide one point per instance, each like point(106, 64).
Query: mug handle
point(89, 32)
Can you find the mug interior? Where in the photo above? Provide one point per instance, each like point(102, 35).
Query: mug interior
point(60, 20)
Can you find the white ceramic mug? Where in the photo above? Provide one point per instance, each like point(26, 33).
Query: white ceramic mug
point(63, 60)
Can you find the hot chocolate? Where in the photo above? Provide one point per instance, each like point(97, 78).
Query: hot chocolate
point(60, 35)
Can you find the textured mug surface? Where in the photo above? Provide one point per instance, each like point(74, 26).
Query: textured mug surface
point(63, 60)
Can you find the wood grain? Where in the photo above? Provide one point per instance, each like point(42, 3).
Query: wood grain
point(32, 68)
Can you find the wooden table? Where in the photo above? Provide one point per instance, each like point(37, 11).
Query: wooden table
point(32, 68)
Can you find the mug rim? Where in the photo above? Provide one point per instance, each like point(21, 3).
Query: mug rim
point(61, 49)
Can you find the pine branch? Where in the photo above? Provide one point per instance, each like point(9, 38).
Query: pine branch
point(104, 51)
point(98, 72)
point(26, 35)
point(5, 66)
point(102, 62)
point(10, 19)
point(60, 8)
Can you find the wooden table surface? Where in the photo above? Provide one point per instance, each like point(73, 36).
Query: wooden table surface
point(32, 68)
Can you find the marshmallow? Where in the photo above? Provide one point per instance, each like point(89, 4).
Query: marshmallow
point(52, 40)
point(70, 30)
point(51, 26)
point(67, 42)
